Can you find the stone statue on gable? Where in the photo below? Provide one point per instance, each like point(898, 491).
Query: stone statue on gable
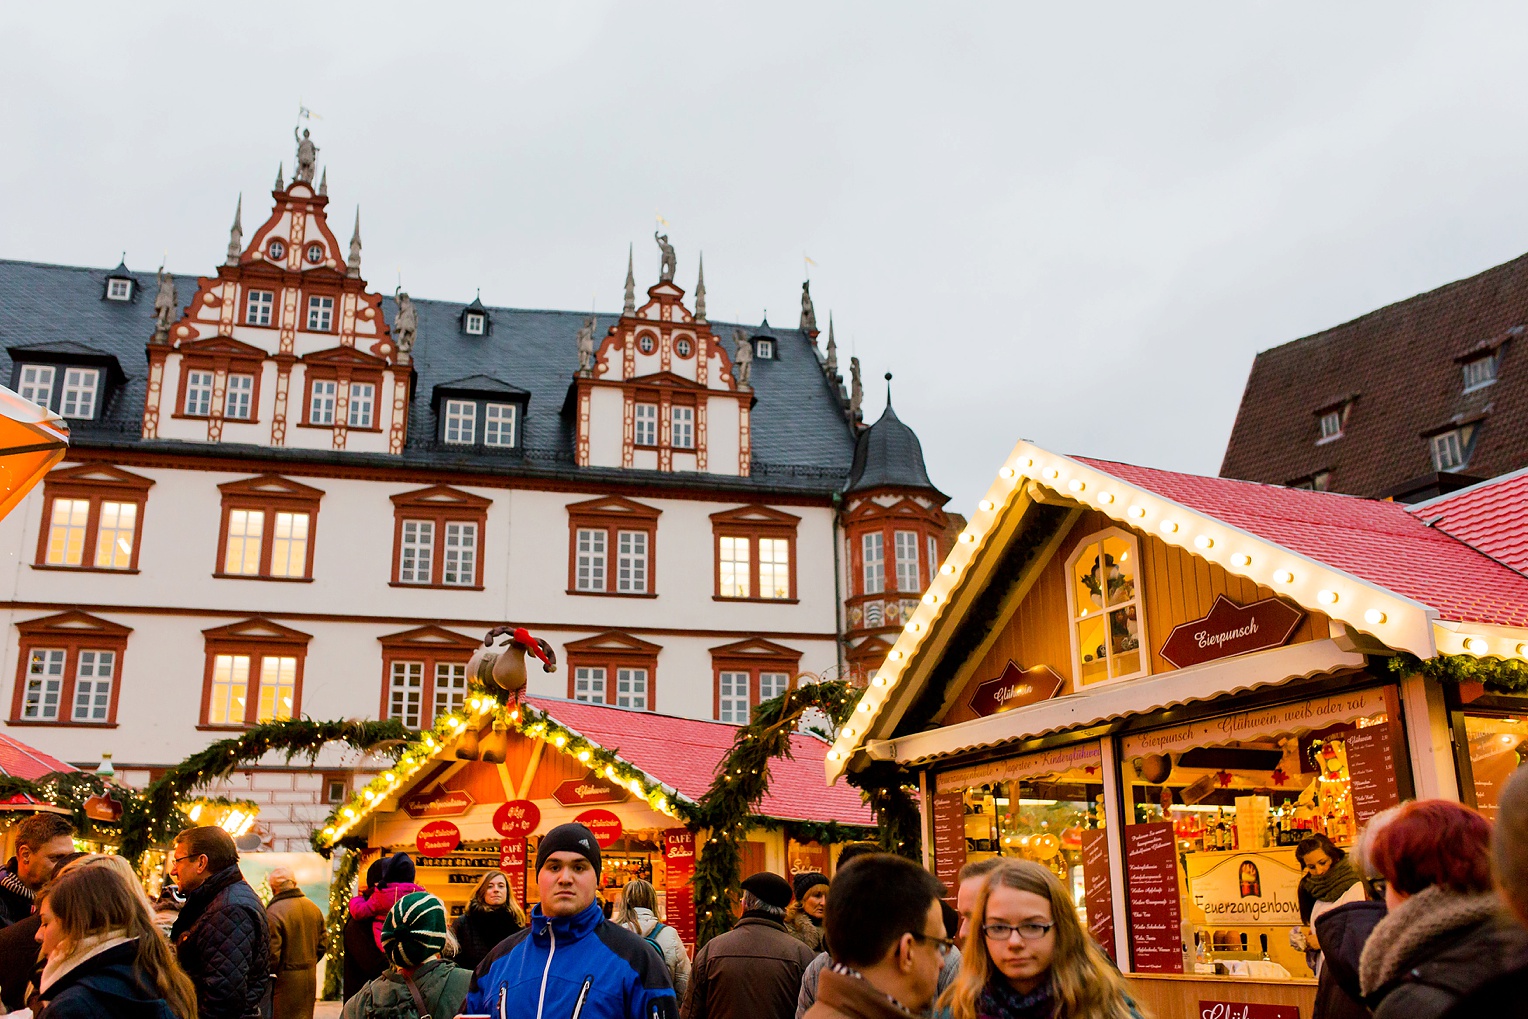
point(742, 358)
point(307, 157)
point(165, 305)
point(666, 251)
point(405, 323)
point(808, 313)
point(586, 345)
point(856, 389)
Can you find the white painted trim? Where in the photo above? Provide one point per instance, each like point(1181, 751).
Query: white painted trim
point(1114, 821)
point(1074, 622)
point(1429, 739)
point(1182, 686)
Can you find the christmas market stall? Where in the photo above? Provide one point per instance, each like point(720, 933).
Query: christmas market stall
point(1157, 685)
point(479, 797)
point(22, 790)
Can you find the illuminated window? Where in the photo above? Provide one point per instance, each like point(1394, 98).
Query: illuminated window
point(289, 546)
point(253, 674)
point(278, 688)
point(66, 532)
point(92, 516)
point(267, 530)
point(755, 553)
point(732, 564)
point(1107, 620)
point(116, 531)
point(246, 534)
point(230, 690)
point(774, 568)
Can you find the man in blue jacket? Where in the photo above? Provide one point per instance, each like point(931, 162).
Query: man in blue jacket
point(571, 963)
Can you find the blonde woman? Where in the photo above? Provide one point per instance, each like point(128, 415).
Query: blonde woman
point(104, 955)
point(491, 916)
point(1028, 956)
point(639, 913)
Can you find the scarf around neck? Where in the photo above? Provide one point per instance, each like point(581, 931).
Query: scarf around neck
point(13, 884)
point(1001, 1000)
point(61, 963)
point(1329, 886)
point(1414, 931)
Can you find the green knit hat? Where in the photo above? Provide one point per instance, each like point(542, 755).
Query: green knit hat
point(414, 930)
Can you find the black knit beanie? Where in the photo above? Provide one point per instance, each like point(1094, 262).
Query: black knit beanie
point(569, 838)
point(805, 882)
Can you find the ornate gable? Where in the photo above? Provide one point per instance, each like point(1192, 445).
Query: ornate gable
point(430, 637)
point(98, 475)
point(271, 487)
point(612, 642)
point(73, 622)
point(258, 630)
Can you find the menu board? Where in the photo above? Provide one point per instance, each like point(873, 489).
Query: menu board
point(679, 897)
point(949, 839)
point(1097, 893)
point(1371, 771)
point(512, 863)
point(1151, 874)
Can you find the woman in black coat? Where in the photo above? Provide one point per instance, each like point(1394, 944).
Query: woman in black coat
point(491, 917)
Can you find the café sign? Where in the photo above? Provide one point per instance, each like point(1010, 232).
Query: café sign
point(1015, 688)
point(1231, 629)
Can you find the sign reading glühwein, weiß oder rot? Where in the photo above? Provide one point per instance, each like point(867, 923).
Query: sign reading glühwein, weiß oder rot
point(1231, 629)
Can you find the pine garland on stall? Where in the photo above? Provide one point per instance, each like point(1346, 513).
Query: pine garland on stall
point(341, 887)
point(895, 802)
point(1498, 675)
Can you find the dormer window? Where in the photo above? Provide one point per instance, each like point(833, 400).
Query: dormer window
point(764, 349)
point(81, 385)
point(315, 254)
point(118, 289)
point(1331, 425)
point(36, 383)
point(1451, 449)
point(499, 424)
point(1479, 372)
point(461, 422)
point(475, 323)
point(277, 250)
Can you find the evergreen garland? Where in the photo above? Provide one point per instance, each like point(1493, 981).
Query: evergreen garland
point(340, 889)
point(1499, 675)
point(895, 802)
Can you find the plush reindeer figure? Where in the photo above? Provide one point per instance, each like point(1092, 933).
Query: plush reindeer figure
point(501, 659)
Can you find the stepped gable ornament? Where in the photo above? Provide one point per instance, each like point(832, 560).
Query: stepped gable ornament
point(1229, 629)
point(353, 264)
point(323, 184)
point(808, 313)
point(236, 233)
point(700, 291)
point(742, 358)
point(586, 346)
point(831, 365)
point(165, 305)
point(280, 184)
point(666, 252)
point(405, 323)
point(307, 157)
point(856, 389)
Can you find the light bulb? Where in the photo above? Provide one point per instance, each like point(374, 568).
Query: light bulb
point(1241, 559)
point(1007, 472)
point(967, 536)
point(1374, 617)
point(1106, 498)
point(947, 569)
point(1283, 576)
point(931, 598)
point(1052, 473)
point(1476, 645)
point(1327, 597)
point(1076, 484)
point(1168, 527)
point(985, 505)
point(1204, 541)
point(1137, 511)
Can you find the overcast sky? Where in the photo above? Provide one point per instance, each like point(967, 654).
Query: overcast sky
point(1069, 223)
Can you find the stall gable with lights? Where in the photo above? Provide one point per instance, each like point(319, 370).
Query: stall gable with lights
point(1189, 673)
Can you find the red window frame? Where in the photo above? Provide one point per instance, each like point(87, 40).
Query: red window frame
point(753, 522)
point(269, 493)
point(231, 357)
point(71, 632)
point(342, 366)
point(259, 638)
point(613, 651)
point(440, 505)
point(430, 645)
point(753, 656)
point(98, 483)
point(613, 515)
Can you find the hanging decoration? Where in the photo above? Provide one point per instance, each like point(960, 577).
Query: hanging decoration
point(1500, 675)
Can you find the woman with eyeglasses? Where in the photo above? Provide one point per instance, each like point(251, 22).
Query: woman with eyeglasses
point(1028, 956)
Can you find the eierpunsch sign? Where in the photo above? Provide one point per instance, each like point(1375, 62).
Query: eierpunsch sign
point(1231, 629)
point(1015, 688)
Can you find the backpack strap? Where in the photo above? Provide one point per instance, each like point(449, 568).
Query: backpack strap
point(419, 1005)
point(652, 935)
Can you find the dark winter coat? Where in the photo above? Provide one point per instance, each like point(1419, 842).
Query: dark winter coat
point(298, 941)
point(1342, 931)
point(223, 944)
point(20, 961)
point(364, 961)
point(1434, 949)
point(1501, 997)
point(105, 985)
point(442, 985)
point(751, 972)
point(478, 931)
point(841, 996)
point(15, 896)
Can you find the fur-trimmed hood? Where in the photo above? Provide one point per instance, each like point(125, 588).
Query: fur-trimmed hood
point(1414, 931)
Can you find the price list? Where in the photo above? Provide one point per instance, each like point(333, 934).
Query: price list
point(1096, 891)
point(1371, 771)
point(1151, 872)
point(949, 839)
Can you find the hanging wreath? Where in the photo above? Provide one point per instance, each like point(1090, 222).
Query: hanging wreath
point(1497, 674)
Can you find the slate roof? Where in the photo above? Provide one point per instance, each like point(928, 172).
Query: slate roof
point(1378, 541)
point(801, 440)
point(684, 753)
point(1399, 365)
point(1491, 516)
point(888, 455)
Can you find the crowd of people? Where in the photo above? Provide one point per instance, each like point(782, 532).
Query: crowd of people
point(1427, 919)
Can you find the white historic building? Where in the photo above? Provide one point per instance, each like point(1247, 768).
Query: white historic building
point(288, 495)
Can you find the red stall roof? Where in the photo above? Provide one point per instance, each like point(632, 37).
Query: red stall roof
point(1491, 516)
point(685, 752)
point(21, 761)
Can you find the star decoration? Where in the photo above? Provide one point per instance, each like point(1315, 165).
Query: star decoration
point(1278, 776)
point(1091, 769)
point(1223, 777)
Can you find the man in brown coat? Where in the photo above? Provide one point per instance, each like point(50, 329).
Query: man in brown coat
point(298, 941)
point(754, 970)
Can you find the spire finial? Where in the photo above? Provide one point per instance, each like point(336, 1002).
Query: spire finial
point(353, 264)
point(831, 364)
point(888, 389)
point(323, 183)
point(236, 232)
point(700, 290)
point(280, 184)
point(630, 307)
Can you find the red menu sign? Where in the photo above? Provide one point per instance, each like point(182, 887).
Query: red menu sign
point(949, 839)
point(512, 863)
point(679, 899)
point(1151, 874)
point(437, 838)
point(516, 818)
point(1371, 771)
point(605, 825)
point(1097, 892)
point(577, 792)
point(1231, 629)
point(438, 802)
point(1246, 1010)
point(1015, 688)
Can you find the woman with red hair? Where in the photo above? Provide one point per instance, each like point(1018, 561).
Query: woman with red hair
point(1445, 934)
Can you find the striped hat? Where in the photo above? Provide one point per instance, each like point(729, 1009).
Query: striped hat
point(414, 930)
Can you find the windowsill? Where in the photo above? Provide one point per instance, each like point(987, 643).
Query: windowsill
point(1479, 387)
point(80, 569)
point(436, 587)
point(614, 594)
point(1329, 438)
point(208, 727)
point(208, 417)
point(64, 724)
point(348, 428)
point(261, 576)
point(478, 447)
point(762, 601)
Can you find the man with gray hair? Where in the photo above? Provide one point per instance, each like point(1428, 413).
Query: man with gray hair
point(298, 941)
point(754, 970)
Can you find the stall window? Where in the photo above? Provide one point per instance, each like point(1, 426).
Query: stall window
point(1107, 621)
point(1215, 808)
point(1498, 746)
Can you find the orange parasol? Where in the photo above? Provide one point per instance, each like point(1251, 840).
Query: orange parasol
point(32, 440)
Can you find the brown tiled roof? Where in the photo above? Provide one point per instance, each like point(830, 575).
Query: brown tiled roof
point(1400, 367)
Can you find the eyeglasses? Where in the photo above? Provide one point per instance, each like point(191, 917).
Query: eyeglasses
point(183, 859)
point(943, 945)
point(1027, 931)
